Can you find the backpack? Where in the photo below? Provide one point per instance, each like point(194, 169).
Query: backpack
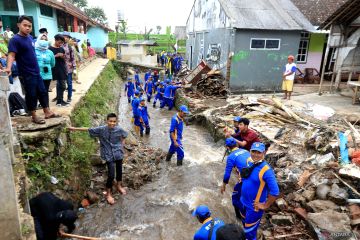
point(16, 103)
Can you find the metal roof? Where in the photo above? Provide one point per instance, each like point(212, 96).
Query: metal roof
point(137, 42)
point(265, 14)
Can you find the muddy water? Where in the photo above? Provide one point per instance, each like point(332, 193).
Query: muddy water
point(162, 209)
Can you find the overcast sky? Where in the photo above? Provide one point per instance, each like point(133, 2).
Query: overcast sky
point(150, 13)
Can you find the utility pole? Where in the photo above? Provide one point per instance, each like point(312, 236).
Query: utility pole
point(9, 213)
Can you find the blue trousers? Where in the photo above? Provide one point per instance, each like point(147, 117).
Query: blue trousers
point(149, 95)
point(158, 97)
point(179, 150)
point(168, 102)
point(69, 85)
point(251, 221)
point(34, 91)
point(130, 96)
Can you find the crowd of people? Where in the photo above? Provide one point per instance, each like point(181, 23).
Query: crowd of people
point(37, 63)
point(33, 62)
point(172, 62)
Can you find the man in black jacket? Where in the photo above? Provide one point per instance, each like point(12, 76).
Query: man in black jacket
point(49, 212)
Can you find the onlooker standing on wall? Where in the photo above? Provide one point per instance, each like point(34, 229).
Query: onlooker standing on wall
point(21, 49)
point(59, 72)
point(70, 64)
point(45, 59)
point(288, 77)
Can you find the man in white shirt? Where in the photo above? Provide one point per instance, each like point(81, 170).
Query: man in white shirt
point(288, 77)
point(8, 34)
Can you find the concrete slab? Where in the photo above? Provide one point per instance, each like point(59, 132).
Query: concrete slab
point(340, 103)
point(87, 76)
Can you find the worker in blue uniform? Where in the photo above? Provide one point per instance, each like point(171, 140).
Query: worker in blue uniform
point(238, 159)
point(169, 95)
point(159, 94)
point(176, 131)
point(149, 88)
point(136, 114)
point(147, 75)
point(129, 89)
point(137, 76)
point(144, 118)
point(259, 190)
point(209, 225)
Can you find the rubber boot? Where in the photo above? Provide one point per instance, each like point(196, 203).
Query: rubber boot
point(141, 133)
point(154, 104)
point(147, 131)
point(168, 157)
point(179, 162)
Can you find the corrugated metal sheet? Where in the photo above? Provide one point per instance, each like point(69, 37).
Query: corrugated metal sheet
point(137, 42)
point(265, 14)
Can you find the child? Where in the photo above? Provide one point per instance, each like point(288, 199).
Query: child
point(144, 118)
point(149, 88)
point(112, 141)
point(129, 89)
point(159, 94)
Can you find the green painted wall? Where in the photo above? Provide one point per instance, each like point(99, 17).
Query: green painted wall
point(317, 41)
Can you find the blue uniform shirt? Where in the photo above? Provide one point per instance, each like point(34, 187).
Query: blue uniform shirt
point(144, 113)
point(177, 126)
point(149, 87)
point(258, 185)
point(168, 90)
point(135, 106)
point(203, 232)
point(238, 158)
point(25, 56)
point(147, 75)
point(130, 88)
point(137, 78)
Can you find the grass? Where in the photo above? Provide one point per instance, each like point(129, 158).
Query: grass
point(165, 41)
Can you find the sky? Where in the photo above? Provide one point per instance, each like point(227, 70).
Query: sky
point(149, 13)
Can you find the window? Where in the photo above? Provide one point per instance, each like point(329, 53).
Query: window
point(46, 10)
point(303, 48)
point(10, 5)
point(264, 44)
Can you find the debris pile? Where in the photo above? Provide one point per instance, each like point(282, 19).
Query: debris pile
point(315, 155)
point(204, 81)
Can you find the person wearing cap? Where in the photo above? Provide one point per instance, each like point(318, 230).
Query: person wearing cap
point(288, 77)
point(176, 131)
point(43, 31)
point(258, 192)
point(136, 114)
point(49, 213)
point(237, 131)
point(129, 89)
point(247, 136)
point(144, 118)
point(169, 94)
point(209, 225)
point(159, 94)
point(70, 64)
point(137, 76)
point(238, 159)
point(149, 85)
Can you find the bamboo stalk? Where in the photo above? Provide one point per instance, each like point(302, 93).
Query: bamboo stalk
point(68, 235)
point(346, 184)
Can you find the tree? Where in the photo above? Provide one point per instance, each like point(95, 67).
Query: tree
point(97, 14)
point(123, 28)
point(158, 28)
point(147, 34)
point(79, 3)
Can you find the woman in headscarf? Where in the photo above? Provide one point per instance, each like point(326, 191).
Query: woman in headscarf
point(45, 58)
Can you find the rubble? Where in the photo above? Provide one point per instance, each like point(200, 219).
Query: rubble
point(282, 220)
point(204, 81)
point(305, 155)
